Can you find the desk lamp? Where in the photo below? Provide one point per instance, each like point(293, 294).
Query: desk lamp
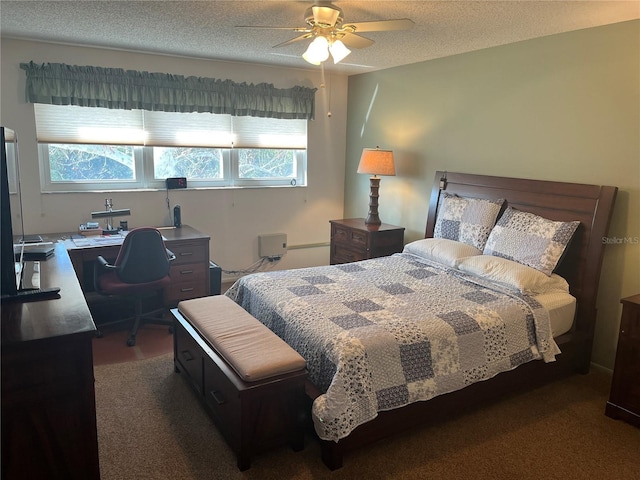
point(109, 213)
point(375, 162)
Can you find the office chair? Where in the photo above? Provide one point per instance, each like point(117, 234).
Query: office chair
point(140, 271)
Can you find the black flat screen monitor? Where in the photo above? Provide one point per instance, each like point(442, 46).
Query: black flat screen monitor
point(11, 261)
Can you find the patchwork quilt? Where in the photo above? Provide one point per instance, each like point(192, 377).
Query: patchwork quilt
point(381, 333)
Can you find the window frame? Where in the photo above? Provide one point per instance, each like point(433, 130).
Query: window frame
point(145, 177)
point(143, 130)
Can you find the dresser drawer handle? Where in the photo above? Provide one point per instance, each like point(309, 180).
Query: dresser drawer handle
point(218, 397)
point(190, 289)
point(186, 354)
point(185, 254)
point(186, 272)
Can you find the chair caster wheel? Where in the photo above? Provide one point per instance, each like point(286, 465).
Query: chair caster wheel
point(131, 341)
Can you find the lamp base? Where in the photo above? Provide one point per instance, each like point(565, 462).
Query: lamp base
point(373, 218)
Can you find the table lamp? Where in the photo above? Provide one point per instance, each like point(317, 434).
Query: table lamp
point(109, 213)
point(375, 162)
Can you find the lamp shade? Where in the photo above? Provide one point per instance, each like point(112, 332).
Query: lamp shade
point(377, 162)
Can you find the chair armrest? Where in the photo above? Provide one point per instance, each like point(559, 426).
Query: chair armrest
point(102, 263)
point(170, 255)
point(101, 266)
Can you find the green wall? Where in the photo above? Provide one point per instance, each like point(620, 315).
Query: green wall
point(564, 107)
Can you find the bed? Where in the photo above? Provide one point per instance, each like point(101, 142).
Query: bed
point(500, 295)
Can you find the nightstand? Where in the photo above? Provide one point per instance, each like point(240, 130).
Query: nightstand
point(624, 400)
point(353, 240)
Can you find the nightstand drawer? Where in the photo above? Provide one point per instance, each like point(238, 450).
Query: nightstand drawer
point(339, 254)
point(345, 235)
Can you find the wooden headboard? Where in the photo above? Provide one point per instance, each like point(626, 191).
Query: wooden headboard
point(592, 205)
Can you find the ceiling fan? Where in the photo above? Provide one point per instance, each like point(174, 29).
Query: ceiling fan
point(331, 36)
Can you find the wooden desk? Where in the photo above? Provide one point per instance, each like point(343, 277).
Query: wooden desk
point(48, 401)
point(189, 271)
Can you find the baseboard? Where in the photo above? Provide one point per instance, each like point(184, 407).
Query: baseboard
point(600, 368)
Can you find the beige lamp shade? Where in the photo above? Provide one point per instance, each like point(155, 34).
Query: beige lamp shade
point(377, 162)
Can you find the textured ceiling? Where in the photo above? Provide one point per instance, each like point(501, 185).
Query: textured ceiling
point(209, 29)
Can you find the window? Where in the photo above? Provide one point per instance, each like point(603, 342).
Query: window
point(84, 148)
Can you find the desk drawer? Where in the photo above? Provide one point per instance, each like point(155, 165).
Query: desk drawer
point(187, 281)
point(180, 273)
point(189, 252)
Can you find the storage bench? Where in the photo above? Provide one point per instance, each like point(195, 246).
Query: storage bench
point(250, 381)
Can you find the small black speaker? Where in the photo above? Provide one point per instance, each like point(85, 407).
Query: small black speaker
point(177, 217)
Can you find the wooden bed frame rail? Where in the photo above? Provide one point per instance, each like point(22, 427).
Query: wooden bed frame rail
point(592, 205)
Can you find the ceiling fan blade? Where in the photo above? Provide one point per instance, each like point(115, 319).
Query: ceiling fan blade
point(265, 27)
point(352, 40)
point(381, 25)
point(293, 40)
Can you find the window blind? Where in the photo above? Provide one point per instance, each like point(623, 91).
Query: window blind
point(88, 125)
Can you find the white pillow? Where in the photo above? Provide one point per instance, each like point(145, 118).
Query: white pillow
point(513, 275)
point(441, 250)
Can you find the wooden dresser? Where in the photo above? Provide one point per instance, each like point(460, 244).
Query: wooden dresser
point(624, 400)
point(353, 240)
point(48, 401)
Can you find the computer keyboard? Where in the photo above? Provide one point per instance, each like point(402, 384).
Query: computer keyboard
point(33, 294)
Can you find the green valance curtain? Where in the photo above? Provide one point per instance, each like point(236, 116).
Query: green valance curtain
point(116, 88)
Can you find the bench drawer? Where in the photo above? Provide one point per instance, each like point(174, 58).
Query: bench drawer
point(223, 400)
point(189, 355)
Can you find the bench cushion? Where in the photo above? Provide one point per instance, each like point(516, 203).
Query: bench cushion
point(254, 351)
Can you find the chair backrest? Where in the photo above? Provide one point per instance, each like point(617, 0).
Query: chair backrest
point(142, 257)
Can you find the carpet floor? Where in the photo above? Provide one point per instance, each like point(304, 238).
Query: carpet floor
point(151, 426)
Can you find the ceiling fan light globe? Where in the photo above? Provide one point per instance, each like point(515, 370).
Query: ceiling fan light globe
point(338, 51)
point(318, 51)
point(310, 58)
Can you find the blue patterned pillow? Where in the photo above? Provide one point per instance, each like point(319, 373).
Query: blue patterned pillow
point(530, 239)
point(467, 220)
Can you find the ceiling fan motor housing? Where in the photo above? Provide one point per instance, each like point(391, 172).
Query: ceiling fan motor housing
point(324, 16)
